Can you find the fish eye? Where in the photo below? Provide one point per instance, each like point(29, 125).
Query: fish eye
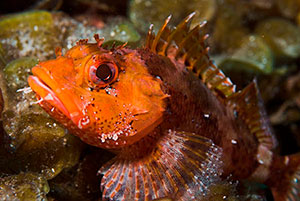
point(103, 74)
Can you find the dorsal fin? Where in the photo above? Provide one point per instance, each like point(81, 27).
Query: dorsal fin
point(188, 47)
point(249, 106)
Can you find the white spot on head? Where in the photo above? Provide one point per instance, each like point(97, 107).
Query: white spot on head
point(49, 97)
point(261, 161)
point(79, 125)
point(115, 137)
point(85, 121)
point(233, 141)
point(74, 114)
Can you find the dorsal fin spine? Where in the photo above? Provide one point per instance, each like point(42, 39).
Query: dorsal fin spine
point(188, 37)
point(166, 44)
point(200, 70)
point(150, 36)
point(184, 25)
point(188, 48)
point(157, 38)
point(193, 67)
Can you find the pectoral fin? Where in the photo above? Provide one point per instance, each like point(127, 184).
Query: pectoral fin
point(179, 163)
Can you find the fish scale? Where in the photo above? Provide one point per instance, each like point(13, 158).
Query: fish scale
point(183, 126)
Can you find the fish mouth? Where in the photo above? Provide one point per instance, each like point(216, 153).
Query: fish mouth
point(48, 90)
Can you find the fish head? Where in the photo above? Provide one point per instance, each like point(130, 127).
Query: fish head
point(107, 97)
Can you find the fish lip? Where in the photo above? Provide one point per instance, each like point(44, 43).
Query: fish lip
point(38, 85)
point(44, 84)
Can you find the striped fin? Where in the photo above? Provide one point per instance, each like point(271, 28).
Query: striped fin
point(188, 47)
point(181, 162)
point(249, 106)
point(284, 178)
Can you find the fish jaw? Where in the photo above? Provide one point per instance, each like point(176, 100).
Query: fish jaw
point(47, 90)
point(45, 93)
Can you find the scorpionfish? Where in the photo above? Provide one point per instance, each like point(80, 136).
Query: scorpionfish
point(176, 123)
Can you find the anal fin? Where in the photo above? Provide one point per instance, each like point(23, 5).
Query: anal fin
point(284, 178)
point(179, 163)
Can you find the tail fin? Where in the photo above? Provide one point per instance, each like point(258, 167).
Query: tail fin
point(285, 178)
point(180, 162)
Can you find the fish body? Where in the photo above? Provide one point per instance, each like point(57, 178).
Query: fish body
point(173, 118)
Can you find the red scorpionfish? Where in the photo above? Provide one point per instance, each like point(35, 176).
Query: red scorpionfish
point(174, 119)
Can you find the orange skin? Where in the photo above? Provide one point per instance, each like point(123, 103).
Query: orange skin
point(114, 99)
point(108, 115)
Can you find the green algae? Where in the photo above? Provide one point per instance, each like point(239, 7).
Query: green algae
point(17, 71)
point(282, 36)
point(34, 141)
point(28, 34)
point(24, 186)
point(122, 31)
point(81, 182)
point(38, 144)
point(228, 28)
point(157, 11)
point(253, 55)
